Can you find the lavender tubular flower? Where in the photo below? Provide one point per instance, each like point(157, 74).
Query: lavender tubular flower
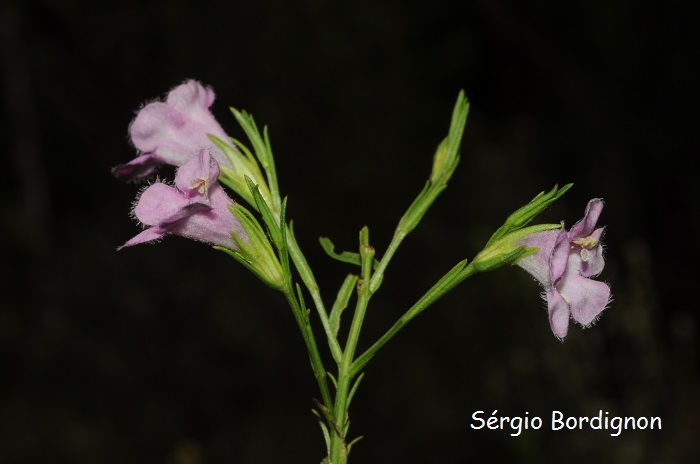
point(196, 207)
point(564, 265)
point(172, 131)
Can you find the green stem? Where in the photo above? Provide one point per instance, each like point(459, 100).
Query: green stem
point(262, 146)
point(301, 316)
point(396, 240)
point(307, 276)
point(408, 222)
point(338, 454)
point(459, 273)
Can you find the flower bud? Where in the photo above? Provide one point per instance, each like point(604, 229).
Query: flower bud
point(446, 156)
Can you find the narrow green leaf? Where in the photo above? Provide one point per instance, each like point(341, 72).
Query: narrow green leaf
point(300, 296)
point(355, 440)
point(328, 415)
point(341, 302)
point(345, 256)
point(351, 395)
point(334, 381)
point(324, 430)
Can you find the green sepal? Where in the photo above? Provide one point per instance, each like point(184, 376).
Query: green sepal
point(268, 146)
point(263, 152)
point(341, 302)
point(256, 254)
point(244, 165)
point(238, 257)
point(233, 155)
point(248, 125)
point(344, 257)
point(527, 213)
point(284, 250)
point(501, 259)
point(273, 227)
point(504, 250)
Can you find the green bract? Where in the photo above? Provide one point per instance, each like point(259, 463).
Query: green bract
point(244, 166)
point(256, 254)
point(527, 213)
point(504, 251)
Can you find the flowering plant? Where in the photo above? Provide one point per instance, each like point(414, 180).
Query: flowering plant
point(181, 131)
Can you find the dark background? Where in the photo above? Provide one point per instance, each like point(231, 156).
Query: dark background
point(175, 354)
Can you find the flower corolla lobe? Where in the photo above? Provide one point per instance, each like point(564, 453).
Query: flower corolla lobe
point(196, 207)
point(171, 131)
point(565, 264)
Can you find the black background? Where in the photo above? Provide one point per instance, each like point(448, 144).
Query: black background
point(174, 354)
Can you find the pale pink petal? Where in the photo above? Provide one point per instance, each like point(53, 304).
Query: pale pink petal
point(558, 310)
point(191, 97)
point(563, 265)
point(538, 264)
point(559, 258)
point(159, 129)
point(172, 132)
point(213, 226)
point(587, 298)
point(595, 262)
point(159, 203)
point(197, 177)
point(148, 235)
point(199, 211)
point(140, 166)
point(585, 226)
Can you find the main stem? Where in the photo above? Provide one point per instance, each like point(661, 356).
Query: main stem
point(338, 445)
point(339, 452)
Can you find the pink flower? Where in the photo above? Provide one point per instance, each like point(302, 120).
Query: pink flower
point(565, 264)
point(196, 207)
point(171, 132)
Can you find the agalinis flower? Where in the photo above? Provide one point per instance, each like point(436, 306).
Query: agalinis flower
point(196, 207)
point(171, 132)
point(564, 265)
